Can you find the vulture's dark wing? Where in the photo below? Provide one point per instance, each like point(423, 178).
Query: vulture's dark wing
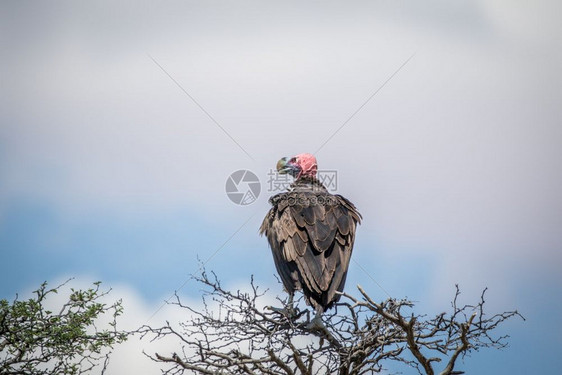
point(311, 236)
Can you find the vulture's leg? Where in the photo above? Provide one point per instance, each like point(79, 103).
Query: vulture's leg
point(316, 323)
point(289, 306)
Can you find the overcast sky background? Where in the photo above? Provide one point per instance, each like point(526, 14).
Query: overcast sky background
point(109, 171)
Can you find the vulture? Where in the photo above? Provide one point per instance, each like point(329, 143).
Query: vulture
point(311, 233)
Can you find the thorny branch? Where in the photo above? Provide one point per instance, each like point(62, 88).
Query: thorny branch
point(36, 341)
point(234, 334)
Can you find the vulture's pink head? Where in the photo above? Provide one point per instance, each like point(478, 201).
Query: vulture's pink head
point(301, 165)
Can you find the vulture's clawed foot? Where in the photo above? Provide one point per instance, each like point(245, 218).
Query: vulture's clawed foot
point(317, 327)
point(316, 324)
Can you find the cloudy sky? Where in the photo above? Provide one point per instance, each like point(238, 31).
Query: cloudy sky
point(120, 123)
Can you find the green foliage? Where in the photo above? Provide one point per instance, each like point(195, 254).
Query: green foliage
point(36, 341)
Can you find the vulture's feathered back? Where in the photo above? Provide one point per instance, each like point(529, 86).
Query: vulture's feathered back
point(311, 234)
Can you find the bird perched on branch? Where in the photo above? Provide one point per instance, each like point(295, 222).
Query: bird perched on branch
point(311, 234)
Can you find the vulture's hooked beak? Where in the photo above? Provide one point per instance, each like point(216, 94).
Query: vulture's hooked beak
point(285, 166)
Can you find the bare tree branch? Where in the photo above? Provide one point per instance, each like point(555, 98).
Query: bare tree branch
point(232, 334)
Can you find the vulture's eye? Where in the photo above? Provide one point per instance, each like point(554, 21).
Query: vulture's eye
point(293, 160)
